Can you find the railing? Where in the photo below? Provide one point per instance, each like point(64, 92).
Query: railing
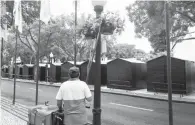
point(8, 75)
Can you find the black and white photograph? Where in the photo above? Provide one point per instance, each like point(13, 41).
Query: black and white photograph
point(97, 62)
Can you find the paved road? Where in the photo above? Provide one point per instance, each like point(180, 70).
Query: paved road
point(116, 109)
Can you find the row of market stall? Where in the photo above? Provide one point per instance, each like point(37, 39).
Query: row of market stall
point(122, 73)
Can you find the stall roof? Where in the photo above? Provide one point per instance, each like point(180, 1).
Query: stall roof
point(57, 64)
point(43, 65)
point(132, 60)
point(102, 62)
point(20, 65)
point(29, 65)
point(78, 63)
point(183, 59)
point(171, 57)
point(105, 62)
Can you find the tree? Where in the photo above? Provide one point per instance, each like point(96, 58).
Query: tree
point(30, 12)
point(22, 51)
point(57, 36)
point(139, 54)
point(121, 51)
point(64, 34)
point(127, 51)
point(149, 20)
point(65, 40)
point(28, 41)
point(8, 52)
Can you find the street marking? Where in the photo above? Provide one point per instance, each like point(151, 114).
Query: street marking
point(132, 107)
point(17, 86)
point(35, 89)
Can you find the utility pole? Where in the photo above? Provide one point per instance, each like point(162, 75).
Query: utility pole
point(75, 43)
point(0, 65)
point(169, 80)
point(14, 94)
point(1, 51)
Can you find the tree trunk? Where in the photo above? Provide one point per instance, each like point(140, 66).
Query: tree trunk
point(31, 59)
point(1, 52)
point(81, 56)
point(11, 69)
point(35, 70)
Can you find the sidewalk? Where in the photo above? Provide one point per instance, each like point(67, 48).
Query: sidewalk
point(12, 114)
point(143, 93)
point(10, 119)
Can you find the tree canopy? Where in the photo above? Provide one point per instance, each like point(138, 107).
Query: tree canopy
point(58, 36)
point(126, 51)
point(149, 20)
point(30, 12)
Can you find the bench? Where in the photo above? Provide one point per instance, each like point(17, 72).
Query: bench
point(29, 77)
point(158, 86)
point(119, 84)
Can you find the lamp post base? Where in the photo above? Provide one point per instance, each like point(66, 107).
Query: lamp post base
point(97, 116)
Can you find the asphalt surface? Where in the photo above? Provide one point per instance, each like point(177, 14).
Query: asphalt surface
point(116, 109)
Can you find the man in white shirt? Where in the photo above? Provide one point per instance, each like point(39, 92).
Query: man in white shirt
point(73, 94)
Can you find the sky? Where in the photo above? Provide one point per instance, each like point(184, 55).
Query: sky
point(184, 50)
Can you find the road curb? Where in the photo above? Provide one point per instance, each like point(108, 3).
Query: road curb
point(151, 98)
point(31, 82)
point(116, 93)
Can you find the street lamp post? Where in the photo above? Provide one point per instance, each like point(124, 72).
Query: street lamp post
point(169, 80)
point(98, 8)
point(1, 52)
